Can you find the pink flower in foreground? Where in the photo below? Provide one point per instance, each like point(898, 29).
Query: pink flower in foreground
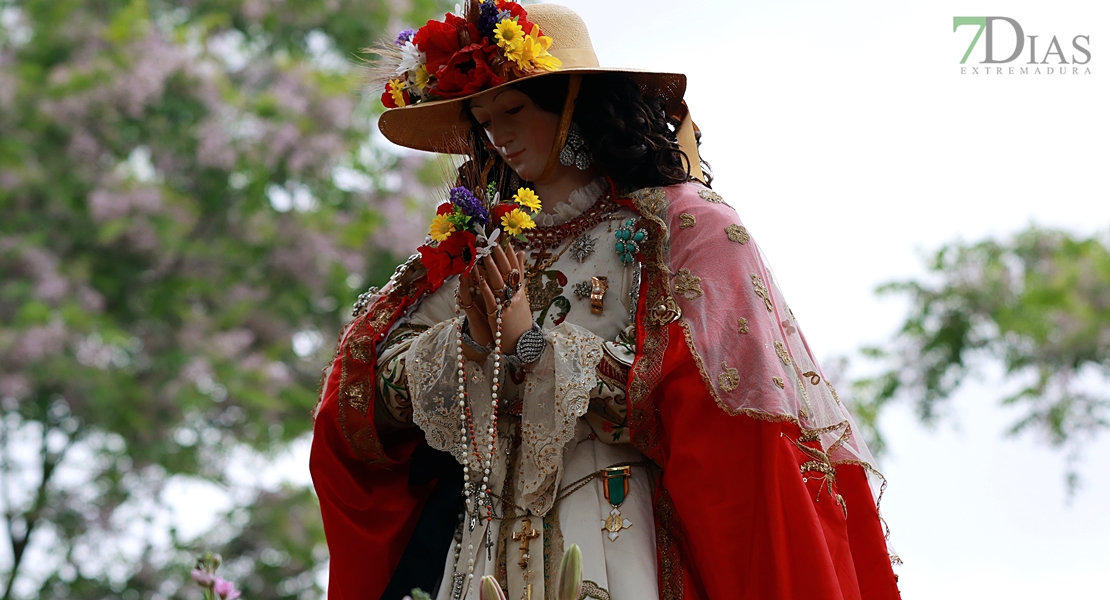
point(204, 578)
point(225, 589)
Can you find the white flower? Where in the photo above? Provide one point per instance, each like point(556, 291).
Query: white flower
point(411, 57)
point(486, 244)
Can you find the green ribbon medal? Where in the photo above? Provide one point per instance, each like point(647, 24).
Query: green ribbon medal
point(615, 483)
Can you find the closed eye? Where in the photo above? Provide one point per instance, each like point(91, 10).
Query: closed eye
point(513, 111)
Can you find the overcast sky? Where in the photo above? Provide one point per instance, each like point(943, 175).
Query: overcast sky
point(849, 142)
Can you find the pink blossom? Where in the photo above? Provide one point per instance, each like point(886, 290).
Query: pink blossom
point(37, 343)
point(204, 578)
point(215, 149)
point(225, 589)
point(105, 205)
point(14, 386)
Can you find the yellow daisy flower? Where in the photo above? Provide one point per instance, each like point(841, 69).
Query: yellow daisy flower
point(397, 90)
point(441, 228)
point(422, 76)
point(528, 199)
point(510, 36)
point(533, 53)
point(516, 221)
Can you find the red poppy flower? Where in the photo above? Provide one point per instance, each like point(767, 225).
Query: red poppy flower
point(445, 209)
point(516, 10)
point(467, 72)
point(452, 256)
point(439, 41)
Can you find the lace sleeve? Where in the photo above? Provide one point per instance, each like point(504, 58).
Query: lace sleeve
point(556, 393)
point(432, 385)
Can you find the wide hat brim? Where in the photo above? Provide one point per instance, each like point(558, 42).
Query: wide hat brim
point(442, 126)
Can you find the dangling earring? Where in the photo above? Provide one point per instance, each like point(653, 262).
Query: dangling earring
point(575, 152)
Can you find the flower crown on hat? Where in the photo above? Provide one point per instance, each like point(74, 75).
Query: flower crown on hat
point(458, 56)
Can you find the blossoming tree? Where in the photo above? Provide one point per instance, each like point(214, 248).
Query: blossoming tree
point(189, 195)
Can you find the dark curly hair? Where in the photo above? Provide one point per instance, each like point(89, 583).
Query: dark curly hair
point(631, 138)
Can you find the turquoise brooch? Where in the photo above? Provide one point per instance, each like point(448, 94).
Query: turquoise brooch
point(628, 241)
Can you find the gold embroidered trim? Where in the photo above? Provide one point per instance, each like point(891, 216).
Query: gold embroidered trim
point(688, 220)
point(833, 391)
point(666, 313)
point(552, 552)
point(729, 379)
point(819, 463)
point(738, 234)
point(711, 196)
point(761, 291)
point(780, 349)
point(814, 378)
point(742, 325)
point(655, 282)
point(592, 590)
point(778, 381)
point(687, 285)
point(882, 489)
point(362, 348)
point(666, 541)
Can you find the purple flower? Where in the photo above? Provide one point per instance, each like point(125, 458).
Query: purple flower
point(404, 36)
point(488, 17)
point(470, 205)
point(225, 589)
point(204, 578)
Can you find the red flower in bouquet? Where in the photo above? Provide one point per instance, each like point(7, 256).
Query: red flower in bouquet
point(439, 41)
point(453, 256)
point(468, 71)
point(501, 210)
point(395, 95)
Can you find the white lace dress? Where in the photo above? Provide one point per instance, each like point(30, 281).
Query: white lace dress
point(561, 422)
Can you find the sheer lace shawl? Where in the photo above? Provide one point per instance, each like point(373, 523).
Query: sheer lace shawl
point(745, 339)
point(556, 393)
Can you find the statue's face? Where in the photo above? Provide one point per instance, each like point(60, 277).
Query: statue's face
point(521, 132)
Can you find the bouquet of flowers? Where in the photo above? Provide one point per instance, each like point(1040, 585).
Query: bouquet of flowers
point(493, 43)
point(460, 233)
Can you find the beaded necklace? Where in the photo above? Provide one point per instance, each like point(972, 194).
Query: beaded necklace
point(545, 238)
point(481, 465)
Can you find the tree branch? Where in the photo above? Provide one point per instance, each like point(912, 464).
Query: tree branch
point(31, 517)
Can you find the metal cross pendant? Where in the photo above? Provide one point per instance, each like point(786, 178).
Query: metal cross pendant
point(525, 536)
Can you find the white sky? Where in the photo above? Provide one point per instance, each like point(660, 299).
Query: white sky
point(849, 142)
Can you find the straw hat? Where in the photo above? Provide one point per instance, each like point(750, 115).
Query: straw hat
point(440, 125)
